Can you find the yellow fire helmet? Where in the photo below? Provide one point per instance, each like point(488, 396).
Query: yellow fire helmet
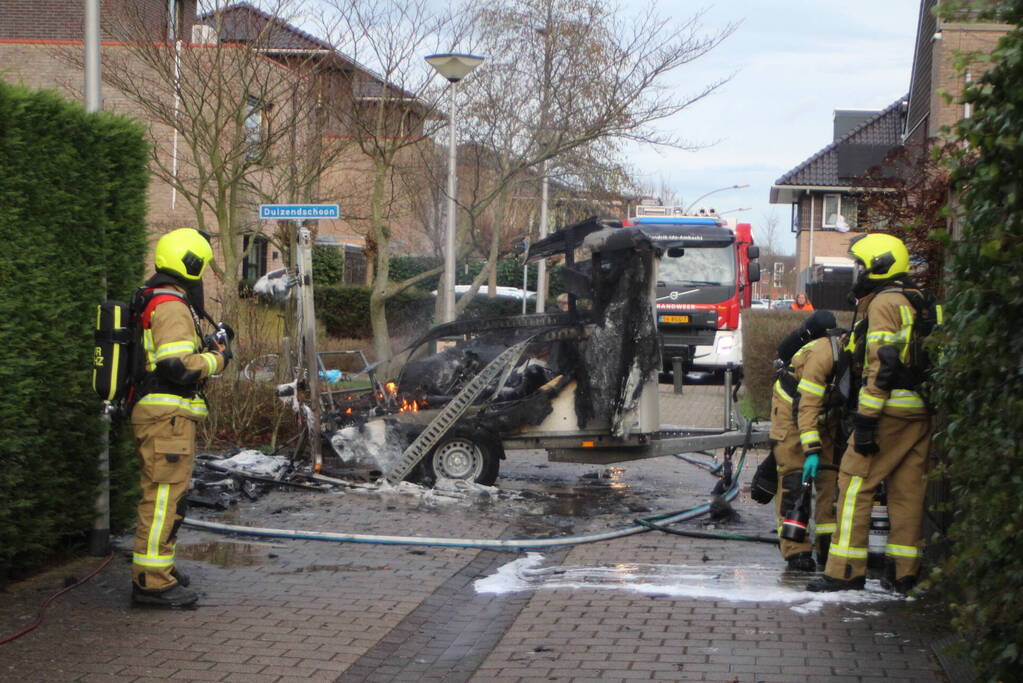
point(879, 257)
point(184, 253)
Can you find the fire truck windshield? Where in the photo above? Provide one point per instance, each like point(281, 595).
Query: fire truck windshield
point(713, 266)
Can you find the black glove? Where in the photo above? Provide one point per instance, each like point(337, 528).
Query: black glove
point(865, 434)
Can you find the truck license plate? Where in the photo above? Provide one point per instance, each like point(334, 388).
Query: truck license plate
point(674, 318)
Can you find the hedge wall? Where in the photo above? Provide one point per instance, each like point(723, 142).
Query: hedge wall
point(979, 377)
point(509, 273)
point(72, 209)
point(762, 331)
point(344, 311)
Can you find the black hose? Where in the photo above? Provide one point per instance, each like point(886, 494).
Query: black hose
point(706, 534)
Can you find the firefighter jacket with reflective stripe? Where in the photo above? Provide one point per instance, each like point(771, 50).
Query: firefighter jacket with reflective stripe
point(170, 338)
point(810, 374)
point(890, 318)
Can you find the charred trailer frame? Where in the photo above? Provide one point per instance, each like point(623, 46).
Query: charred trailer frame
point(582, 384)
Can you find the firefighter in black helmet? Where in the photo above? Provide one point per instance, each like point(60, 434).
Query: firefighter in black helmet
point(803, 422)
point(892, 427)
point(168, 407)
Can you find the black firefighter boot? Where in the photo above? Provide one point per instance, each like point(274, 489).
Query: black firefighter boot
point(801, 562)
point(888, 581)
point(183, 578)
point(175, 596)
point(826, 584)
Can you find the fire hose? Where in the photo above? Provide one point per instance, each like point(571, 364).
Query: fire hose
point(651, 523)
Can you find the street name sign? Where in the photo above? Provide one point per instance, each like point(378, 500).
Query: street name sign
point(271, 212)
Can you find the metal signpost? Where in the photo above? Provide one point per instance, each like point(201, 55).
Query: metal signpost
point(306, 309)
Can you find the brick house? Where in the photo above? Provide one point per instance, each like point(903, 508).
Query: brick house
point(940, 43)
point(823, 190)
point(41, 41)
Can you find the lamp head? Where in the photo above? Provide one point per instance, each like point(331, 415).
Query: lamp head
point(453, 66)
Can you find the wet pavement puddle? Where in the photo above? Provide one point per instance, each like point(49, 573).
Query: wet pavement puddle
point(731, 583)
point(226, 553)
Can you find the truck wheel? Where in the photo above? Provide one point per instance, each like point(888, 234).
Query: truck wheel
point(466, 456)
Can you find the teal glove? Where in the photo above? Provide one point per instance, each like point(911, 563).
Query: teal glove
point(811, 466)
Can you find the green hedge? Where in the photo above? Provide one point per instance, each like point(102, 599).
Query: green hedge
point(978, 380)
point(509, 273)
point(762, 331)
point(72, 210)
point(344, 311)
point(328, 265)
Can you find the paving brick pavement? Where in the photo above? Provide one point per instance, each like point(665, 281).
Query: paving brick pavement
point(283, 610)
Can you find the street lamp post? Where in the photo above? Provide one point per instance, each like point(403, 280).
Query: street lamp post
point(453, 67)
point(720, 189)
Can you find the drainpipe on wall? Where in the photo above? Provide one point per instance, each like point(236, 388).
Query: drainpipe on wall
point(813, 203)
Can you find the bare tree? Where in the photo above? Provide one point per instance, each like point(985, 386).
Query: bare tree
point(231, 122)
point(390, 119)
point(769, 233)
point(575, 76)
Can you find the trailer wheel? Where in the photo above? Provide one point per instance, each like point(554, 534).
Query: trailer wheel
point(469, 456)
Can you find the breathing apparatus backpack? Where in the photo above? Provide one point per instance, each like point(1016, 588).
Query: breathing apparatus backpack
point(911, 374)
point(119, 360)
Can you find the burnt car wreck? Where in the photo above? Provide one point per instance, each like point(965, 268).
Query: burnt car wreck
point(580, 383)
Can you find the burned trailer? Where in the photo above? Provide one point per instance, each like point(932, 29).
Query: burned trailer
point(581, 384)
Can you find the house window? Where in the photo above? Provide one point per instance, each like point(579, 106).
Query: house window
point(255, 248)
point(837, 206)
point(253, 128)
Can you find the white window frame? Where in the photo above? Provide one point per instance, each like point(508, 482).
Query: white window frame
point(843, 202)
point(824, 210)
point(254, 121)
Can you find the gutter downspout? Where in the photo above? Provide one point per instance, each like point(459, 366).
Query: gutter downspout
point(813, 204)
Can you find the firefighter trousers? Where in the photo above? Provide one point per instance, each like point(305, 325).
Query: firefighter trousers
point(167, 454)
point(902, 464)
point(788, 453)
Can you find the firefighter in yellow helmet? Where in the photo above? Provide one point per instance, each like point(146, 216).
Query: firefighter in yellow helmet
point(167, 407)
point(892, 426)
point(803, 420)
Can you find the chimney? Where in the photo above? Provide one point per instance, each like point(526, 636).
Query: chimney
point(848, 119)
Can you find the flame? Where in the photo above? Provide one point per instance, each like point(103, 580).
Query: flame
point(392, 389)
point(348, 411)
point(407, 407)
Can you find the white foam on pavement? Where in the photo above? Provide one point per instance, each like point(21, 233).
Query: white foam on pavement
point(732, 583)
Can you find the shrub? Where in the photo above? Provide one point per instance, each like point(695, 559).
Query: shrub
point(344, 311)
point(72, 217)
point(978, 385)
point(328, 265)
point(762, 331)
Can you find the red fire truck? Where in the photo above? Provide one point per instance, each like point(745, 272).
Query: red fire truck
point(700, 292)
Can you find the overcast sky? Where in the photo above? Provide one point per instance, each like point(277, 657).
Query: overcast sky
point(796, 62)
